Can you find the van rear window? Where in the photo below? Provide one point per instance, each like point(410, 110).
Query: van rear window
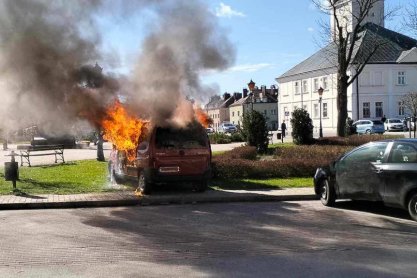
point(187, 138)
point(378, 122)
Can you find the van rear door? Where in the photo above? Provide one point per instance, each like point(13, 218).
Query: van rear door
point(181, 152)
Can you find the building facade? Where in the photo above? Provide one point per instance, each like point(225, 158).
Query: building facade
point(218, 108)
point(262, 100)
point(390, 74)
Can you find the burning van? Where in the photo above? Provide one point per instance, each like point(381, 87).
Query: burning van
point(167, 155)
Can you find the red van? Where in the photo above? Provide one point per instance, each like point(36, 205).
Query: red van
point(167, 155)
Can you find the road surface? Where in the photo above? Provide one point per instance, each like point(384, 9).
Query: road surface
point(282, 239)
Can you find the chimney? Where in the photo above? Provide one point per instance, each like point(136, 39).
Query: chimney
point(245, 92)
point(226, 96)
point(237, 96)
point(263, 88)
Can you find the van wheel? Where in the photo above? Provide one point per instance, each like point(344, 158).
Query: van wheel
point(412, 206)
point(144, 186)
point(202, 186)
point(327, 193)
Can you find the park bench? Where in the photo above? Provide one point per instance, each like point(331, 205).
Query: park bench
point(41, 150)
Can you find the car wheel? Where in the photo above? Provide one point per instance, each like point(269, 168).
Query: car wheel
point(368, 131)
point(412, 206)
point(202, 186)
point(144, 186)
point(327, 193)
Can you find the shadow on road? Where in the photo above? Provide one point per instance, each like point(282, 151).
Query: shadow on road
point(373, 207)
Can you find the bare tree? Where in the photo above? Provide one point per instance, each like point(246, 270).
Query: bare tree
point(346, 40)
point(409, 102)
point(410, 18)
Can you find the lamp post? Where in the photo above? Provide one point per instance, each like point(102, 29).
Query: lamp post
point(320, 91)
point(251, 86)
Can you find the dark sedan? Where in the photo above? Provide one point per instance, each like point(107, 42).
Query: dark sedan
point(378, 171)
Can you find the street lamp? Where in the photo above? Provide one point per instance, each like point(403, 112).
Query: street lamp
point(320, 91)
point(251, 86)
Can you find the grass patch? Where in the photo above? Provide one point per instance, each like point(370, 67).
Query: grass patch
point(76, 177)
point(251, 184)
point(217, 153)
point(282, 145)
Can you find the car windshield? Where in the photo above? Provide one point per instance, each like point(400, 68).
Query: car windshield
point(184, 138)
point(378, 122)
point(228, 125)
point(395, 121)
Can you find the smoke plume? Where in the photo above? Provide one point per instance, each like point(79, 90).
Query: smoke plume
point(184, 42)
point(48, 50)
point(44, 47)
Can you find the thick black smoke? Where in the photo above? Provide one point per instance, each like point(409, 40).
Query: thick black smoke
point(184, 42)
point(48, 50)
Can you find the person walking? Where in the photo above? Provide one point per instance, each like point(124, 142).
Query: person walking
point(283, 129)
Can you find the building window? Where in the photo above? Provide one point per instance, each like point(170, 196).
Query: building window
point(366, 110)
point(297, 87)
point(378, 109)
point(316, 110)
point(401, 110)
point(324, 110)
point(305, 86)
point(325, 83)
point(238, 113)
point(401, 78)
point(316, 84)
point(233, 113)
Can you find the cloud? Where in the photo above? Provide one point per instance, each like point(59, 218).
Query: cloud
point(226, 11)
point(310, 29)
point(249, 67)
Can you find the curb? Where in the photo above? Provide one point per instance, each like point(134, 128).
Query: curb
point(167, 200)
point(158, 200)
point(73, 204)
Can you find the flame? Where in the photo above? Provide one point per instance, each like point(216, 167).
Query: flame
point(125, 131)
point(202, 117)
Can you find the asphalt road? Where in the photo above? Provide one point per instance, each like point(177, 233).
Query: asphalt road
point(282, 239)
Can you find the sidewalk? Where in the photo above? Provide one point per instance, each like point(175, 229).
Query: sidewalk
point(128, 198)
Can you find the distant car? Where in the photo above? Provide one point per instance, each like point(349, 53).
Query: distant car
point(369, 126)
point(393, 125)
point(227, 128)
point(407, 124)
point(378, 171)
point(209, 130)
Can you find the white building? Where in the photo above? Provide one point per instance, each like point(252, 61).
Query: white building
point(389, 74)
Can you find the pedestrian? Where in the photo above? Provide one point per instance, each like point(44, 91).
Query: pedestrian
point(283, 129)
point(383, 119)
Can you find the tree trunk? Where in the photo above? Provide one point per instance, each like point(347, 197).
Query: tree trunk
point(342, 103)
point(100, 152)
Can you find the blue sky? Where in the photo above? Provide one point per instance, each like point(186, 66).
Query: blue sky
point(270, 37)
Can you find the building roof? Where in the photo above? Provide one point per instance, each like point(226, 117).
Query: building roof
point(246, 100)
point(392, 46)
point(217, 102)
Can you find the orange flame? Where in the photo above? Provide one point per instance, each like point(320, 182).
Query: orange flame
point(202, 117)
point(124, 130)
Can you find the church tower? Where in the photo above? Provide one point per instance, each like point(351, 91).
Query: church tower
point(348, 10)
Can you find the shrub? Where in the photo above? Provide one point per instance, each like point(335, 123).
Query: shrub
point(354, 140)
point(297, 161)
point(302, 127)
point(219, 138)
point(237, 137)
point(244, 152)
point(255, 131)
